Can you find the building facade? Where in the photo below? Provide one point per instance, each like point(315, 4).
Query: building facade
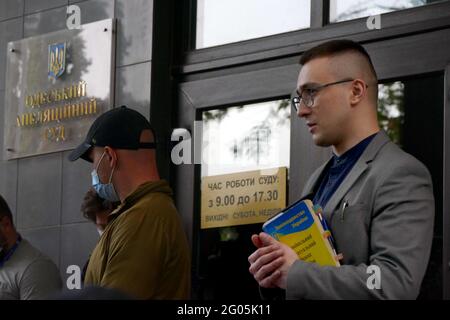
point(231, 66)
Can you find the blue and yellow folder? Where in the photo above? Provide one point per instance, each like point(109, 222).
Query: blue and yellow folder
point(304, 230)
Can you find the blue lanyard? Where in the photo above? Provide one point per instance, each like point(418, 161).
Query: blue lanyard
point(10, 252)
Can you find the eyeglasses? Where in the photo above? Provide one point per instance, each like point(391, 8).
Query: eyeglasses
point(307, 94)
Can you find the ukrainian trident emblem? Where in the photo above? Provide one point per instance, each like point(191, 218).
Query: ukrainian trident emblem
point(56, 59)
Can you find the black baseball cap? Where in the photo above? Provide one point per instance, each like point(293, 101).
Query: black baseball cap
point(118, 128)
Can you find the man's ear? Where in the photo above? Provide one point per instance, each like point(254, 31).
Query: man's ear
point(111, 156)
point(358, 91)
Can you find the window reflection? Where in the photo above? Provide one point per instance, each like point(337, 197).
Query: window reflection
point(391, 114)
point(342, 10)
point(245, 138)
point(220, 22)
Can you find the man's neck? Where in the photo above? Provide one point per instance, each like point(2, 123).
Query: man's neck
point(353, 140)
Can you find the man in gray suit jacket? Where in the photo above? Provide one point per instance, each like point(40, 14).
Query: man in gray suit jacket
point(377, 199)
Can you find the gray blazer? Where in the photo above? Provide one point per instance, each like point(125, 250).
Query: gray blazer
point(388, 223)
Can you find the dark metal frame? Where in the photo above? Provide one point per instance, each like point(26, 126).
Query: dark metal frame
point(446, 186)
point(161, 83)
point(267, 68)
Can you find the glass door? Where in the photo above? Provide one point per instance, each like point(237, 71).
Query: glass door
point(242, 146)
point(411, 111)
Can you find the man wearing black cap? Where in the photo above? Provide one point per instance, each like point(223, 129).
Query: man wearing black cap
point(143, 251)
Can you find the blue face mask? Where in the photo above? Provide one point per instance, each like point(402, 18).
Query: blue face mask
point(105, 191)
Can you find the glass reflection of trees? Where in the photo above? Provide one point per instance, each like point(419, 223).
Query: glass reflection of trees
point(391, 114)
point(255, 143)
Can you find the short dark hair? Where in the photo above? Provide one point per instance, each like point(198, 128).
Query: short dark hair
point(5, 211)
point(335, 47)
point(92, 204)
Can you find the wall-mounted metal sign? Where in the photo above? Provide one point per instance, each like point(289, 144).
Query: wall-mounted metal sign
point(242, 198)
point(56, 85)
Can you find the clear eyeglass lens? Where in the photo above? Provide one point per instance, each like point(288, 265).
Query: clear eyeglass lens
point(307, 99)
point(296, 103)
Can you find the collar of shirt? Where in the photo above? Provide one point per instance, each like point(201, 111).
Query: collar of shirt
point(336, 171)
point(350, 155)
